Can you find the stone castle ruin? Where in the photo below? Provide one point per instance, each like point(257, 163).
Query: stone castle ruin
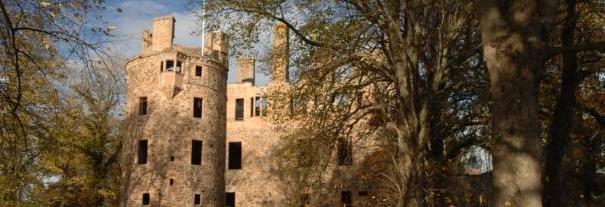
point(196, 139)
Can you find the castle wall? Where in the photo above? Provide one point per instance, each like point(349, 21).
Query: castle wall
point(256, 183)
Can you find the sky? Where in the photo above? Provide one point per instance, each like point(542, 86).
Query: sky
point(136, 15)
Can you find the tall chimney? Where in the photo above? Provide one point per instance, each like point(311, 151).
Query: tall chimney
point(216, 44)
point(162, 32)
point(146, 47)
point(280, 53)
point(245, 70)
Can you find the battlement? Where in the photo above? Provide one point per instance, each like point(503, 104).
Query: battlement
point(161, 39)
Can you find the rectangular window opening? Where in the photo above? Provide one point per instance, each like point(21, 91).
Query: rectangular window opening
point(161, 66)
point(305, 199)
point(230, 199)
point(235, 155)
point(178, 66)
point(197, 200)
point(143, 106)
point(252, 107)
point(303, 159)
point(239, 109)
point(196, 152)
point(146, 199)
point(197, 107)
point(169, 65)
point(345, 152)
point(198, 71)
point(264, 105)
point(257, 105)
point(142, 152)
point(291, 106)
point(346, 198)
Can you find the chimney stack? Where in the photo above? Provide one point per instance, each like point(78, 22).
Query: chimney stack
point(280, 53)
point(146, 41)
point(217, 45)
point(162, 32)
point(245, 70)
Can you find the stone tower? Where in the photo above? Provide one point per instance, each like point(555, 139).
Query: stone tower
point(176, 107)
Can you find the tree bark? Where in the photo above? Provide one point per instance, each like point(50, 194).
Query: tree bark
point(558, 133)
point(513, 36)
point(589, 176)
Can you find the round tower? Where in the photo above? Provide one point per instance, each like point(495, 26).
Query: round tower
point(176, 109)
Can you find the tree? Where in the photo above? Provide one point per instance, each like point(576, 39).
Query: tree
point(396, 74)
point(37, 39)
point(571, 76)
point(400, 54)
point(85, 147)
point(514, 37)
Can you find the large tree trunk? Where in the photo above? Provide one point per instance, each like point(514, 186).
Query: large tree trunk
point(558, 134)
point(513, 35)
point(589, 176)
point(408, 176)
point(411, 140)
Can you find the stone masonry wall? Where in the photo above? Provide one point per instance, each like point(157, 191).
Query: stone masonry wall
point(170, 127)
point(163, 32)
point(256, 183)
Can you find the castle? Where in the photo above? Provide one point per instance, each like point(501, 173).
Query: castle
point(197, 140)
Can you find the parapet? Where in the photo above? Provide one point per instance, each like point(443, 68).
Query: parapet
point(161, 38)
